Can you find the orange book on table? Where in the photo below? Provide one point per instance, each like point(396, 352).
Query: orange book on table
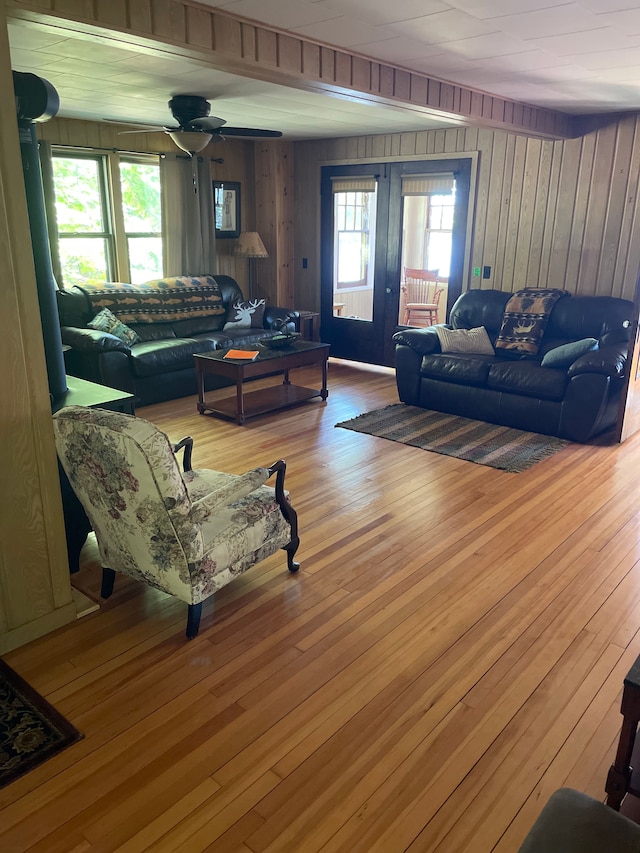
point(242, 354)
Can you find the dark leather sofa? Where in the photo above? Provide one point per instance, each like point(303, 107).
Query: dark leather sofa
point(160, 365)
point(577, 402)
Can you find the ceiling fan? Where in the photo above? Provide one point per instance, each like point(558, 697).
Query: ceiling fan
point(196, 128)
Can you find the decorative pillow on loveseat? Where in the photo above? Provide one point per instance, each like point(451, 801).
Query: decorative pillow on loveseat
point(564, 356)
point(106, 321)
point(246, 315)
point(474, 341)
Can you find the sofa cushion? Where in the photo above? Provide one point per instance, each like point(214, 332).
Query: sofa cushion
point(460, 369)
point(152, 357)
point(197, 326)
point(564, 356)
point(155, 331)
point(525, 377)
point(477, 307)
point(464, 340)
point(590, 317)
point(105, 321)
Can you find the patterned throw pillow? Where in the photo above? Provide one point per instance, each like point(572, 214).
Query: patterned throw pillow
point(474, 341)
point(106, 321)
point(246, 315)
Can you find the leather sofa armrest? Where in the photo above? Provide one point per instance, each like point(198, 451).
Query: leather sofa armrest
point(422, 341)
point(92, 340)
point(608, 360)
point(275, 315)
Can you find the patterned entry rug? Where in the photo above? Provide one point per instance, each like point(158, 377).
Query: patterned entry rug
point(31, 730)
point(511, 450)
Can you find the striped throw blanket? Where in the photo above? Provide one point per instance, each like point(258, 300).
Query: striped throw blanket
point(525, 318)
point(164, 300)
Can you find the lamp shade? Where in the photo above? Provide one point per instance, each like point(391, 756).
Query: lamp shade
point(190, 141)
point(250, 245)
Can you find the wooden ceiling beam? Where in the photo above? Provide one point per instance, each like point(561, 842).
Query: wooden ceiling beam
point(236, 45)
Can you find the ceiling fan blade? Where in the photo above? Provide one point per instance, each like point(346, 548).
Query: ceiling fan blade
point(139, 128)
point(146, 129)
point(206, 123)
point(249, 131)
point(132, 124)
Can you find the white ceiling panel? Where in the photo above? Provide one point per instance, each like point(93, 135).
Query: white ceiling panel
point(571, 44)
point(344, 31)
point(382, 11)
point(388, 49)
point(485, 9)
point(607, 59)
point(484, 47)
point(529, 60)
point(437, 28)
point(627, 21)
point(609, 5)
point(284, 14)
point(549, 22)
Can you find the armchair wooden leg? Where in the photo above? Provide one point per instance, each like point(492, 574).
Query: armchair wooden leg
point(291, 549)
point(289, 513)
point(108, 579)
point(193, 620)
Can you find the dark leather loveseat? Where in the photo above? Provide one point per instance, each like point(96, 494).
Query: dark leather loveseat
point(577, 401)
point(160, 366)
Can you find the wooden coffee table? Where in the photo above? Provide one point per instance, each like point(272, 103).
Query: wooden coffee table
point(248, 404)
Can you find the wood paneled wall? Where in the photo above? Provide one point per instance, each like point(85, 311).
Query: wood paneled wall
point(274, 214)
point(35, 593)
point(546, 213)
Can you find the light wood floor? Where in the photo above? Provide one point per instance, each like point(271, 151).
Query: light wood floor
point(451, 652)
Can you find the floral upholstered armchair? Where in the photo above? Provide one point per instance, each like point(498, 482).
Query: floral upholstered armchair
point(188, 534)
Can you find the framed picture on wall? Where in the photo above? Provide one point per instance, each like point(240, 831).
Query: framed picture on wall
point(226, 196)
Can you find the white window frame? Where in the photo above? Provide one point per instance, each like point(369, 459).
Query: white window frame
point(115, 237)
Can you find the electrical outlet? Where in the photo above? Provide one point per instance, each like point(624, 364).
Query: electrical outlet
point(486, 272)
point(477, 271)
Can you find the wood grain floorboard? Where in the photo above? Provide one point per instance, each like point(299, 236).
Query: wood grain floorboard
point(451, 652)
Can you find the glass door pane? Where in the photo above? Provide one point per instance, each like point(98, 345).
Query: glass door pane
point(354, 216)
point(427, 242)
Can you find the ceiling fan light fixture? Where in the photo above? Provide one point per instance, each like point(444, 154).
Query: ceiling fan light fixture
point(191, 141)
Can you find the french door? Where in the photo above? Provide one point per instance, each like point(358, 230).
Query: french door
point(377, 220)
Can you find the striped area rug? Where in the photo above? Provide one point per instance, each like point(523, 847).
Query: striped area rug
point(512, 450)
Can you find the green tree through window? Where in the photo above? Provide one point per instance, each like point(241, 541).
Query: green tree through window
point(101, 240)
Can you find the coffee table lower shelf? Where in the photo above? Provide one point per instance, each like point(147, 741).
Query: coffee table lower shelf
point(261, 401)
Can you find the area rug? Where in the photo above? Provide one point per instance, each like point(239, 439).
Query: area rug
point(511, 450)
point(31, 730)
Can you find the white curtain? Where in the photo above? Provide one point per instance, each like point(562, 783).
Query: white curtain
point(188, 227)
